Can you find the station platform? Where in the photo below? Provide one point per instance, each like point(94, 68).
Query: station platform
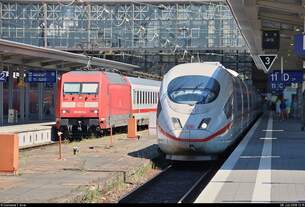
point(43, 178)
point(267, 166)
point(30, 135)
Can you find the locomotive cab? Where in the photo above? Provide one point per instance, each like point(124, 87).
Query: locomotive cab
point(79, 109)
point(91, 102)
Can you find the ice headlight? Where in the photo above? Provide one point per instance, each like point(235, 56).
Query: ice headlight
point(204, 123)
point(176, 123)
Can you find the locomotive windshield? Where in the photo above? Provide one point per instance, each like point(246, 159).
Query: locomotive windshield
point(193, 89)
point(80, 88)
point(72, 88)
point(89, 88)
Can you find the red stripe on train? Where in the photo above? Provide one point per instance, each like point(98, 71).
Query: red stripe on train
point(206, 139)
point(135, 111)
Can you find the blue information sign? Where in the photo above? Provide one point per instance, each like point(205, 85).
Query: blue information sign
point(299, 46)
point(277, 81)
point(41, 76)
point(2, 76)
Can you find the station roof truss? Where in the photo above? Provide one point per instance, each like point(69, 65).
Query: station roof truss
point(255, 16)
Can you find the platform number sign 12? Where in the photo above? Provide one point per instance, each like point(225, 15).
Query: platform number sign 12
point(2, 76)
point(267, 61)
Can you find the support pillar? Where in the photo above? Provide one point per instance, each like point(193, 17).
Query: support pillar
point(40, 101)
point(10, 87)
point(55, 89)
point(21, 93)
point(1, 98)
point(27, 101)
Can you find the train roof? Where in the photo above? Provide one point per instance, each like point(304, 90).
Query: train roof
point(142, 81)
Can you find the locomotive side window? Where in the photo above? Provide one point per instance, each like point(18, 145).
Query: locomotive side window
point(72, 88)
point(90, 88)
point(193, 89)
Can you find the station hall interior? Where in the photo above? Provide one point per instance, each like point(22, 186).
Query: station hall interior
point(151, 37)
point(262, 40)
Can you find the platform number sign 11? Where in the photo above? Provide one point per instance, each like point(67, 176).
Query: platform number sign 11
point(267, 61)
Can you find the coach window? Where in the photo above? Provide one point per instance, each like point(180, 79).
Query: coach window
point(155, 98)
point(142, 97)
point(134, 96)
point(145, 100)
point(137, 95)
point(149, 97)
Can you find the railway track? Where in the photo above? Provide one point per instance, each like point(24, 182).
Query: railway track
point(175, 184)
point(180, 183)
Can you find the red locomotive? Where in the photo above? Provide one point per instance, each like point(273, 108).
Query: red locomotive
point(92, 101)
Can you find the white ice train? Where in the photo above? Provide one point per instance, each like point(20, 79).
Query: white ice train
point(203, 109)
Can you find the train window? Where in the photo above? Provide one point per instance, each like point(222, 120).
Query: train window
point(71, 88)
point(193, 89)
point(149, 97)
point(91, 88)
point(134, 97)
point(143, 98)
point(156, 98)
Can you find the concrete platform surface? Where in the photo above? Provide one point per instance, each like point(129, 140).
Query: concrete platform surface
point(267, 166)
point(26, 127)
point(42, 177)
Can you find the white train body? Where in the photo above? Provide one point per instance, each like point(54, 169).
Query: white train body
point(144, 98)
point(203, 109)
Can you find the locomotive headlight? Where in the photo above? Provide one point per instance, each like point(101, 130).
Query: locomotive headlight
point(64, 111)
point(95, 111)
point(204, 123)
point(176, 123)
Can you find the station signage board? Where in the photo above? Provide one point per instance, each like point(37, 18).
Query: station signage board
point(271, 40)
point(267, 61)
point(299, 45)
point(278, 81)
point(3, 75)
point(41, 76)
